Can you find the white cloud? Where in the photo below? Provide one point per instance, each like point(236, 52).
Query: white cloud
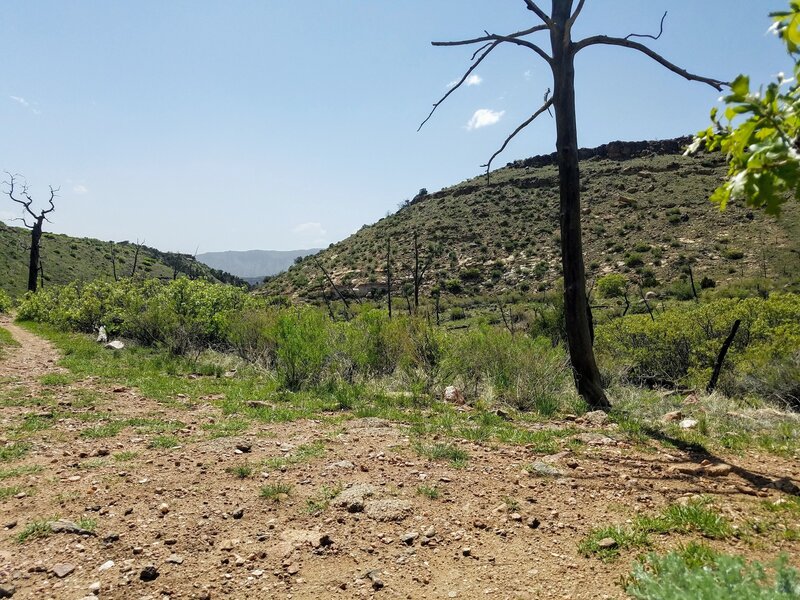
point(22, 102)
point(471, 80)
point(312, 229)
point(484, 117)
point(80, 189)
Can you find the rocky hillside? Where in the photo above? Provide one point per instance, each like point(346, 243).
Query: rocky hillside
point(66, 259)
point(646, 214)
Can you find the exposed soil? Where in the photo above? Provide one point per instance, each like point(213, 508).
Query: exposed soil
point(496, 531)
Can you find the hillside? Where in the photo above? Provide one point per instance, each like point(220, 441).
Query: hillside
point(253, 264)
point(646, 214)
point(66, 259)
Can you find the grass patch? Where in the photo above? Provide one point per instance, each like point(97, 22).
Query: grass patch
point(8, 492)
point(34, 530)
point(14, 451)
point(275, 491)
point(125, 456)
point(56, 379)
point(164, 442)
point(36, 422)
point(302, 454)
point(431, 492)
point(105, 430)
point(226, 428)
point(242, 471)
point(322, 499)
point(87, 523)
point(449, 452)
point(694, 517)
point(18, 471)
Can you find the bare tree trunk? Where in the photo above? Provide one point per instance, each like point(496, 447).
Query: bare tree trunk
point(694, 289)
point(416, 272)
point(389, 274)
point(579, 340)
point(721, 357)
point(41, 274)
point(136, 257)
point(114, 261)
point(33, 262)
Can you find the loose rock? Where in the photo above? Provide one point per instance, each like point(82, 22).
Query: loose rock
point(61, 570)
point(149, 573)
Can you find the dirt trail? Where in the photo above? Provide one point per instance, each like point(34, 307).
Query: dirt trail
point(32, 359)
point(179, 523)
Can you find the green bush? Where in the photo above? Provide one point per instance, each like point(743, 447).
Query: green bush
point(676, 577)
point(5, 302)
point(528, 374)
point(612, 285)
point(682, 344)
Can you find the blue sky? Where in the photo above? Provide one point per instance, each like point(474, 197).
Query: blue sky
point(286, 124)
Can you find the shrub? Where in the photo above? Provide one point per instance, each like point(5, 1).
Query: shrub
point(526, 373)
point(5, 302)
point(681, 345)
point(676, 576)
point(612, 285)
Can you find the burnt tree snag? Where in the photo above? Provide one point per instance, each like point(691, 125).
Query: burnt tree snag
point(34, 261)
point(389, 274)
point(561, 59)
point(721, 356)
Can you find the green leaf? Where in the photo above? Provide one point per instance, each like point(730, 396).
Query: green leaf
point(741, 86)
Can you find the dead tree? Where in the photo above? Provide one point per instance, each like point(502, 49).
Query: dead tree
point(389, 274)
point(114, 261)
point(561, 60)
point(136, 256)
point(419, 271)
point(34, 261)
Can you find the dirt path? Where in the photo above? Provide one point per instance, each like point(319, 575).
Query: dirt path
point(32, 359)
point(179, 522)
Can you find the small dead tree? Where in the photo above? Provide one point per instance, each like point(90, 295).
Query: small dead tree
point(18, 192)
point(389, 274)
point(561, 59)
point(419, 270)
point(136, 257)
point(114, 260)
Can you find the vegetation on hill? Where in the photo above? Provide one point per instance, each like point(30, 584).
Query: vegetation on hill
point(66, 259)
point(523, 366)
point(646, 216)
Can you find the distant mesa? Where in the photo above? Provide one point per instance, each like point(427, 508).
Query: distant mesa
point(253, 265)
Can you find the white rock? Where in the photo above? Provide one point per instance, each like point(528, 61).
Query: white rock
point(115, 345)
point(104, 567)
point(688, 424)
point(454, 395)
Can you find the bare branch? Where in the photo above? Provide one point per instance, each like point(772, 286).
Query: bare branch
point(575, 15)
point(458, 85)
point(488, 37)
point(647, 35)
point(514, 38)
point(539, 12)
point(545, 107)
point(11, 183)
point(626, 43)
point(52, 196)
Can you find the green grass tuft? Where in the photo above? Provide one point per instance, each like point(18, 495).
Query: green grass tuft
point(275, 491)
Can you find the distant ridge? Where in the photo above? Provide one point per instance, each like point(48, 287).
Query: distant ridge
point(253, 265)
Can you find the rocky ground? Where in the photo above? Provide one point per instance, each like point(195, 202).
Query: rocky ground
point(318, 509)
